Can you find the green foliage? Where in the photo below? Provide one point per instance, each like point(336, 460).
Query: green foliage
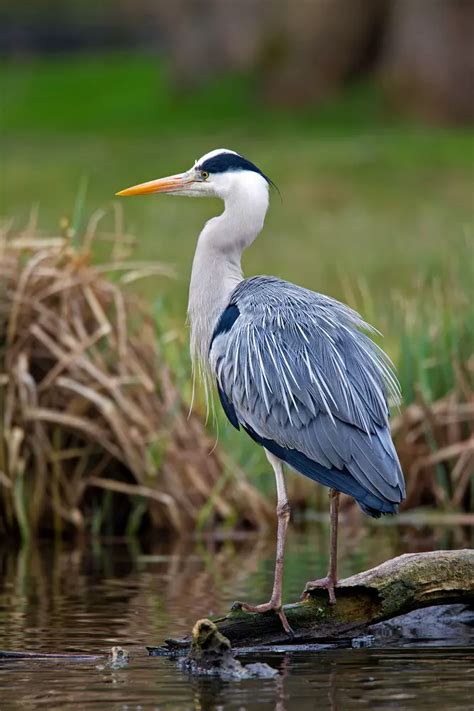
point(436, 337)
point(364, 196)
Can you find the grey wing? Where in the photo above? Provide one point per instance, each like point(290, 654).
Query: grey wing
point(295, 370)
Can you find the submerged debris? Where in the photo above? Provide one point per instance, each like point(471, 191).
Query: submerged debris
point(211, 655)
point(117, 658)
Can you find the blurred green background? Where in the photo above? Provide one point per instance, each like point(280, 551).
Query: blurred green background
point(359, 111)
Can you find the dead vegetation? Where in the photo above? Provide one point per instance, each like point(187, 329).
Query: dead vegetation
point(435, 442)
point(93, 432)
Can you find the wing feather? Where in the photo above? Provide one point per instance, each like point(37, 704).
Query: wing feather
point(295, 368)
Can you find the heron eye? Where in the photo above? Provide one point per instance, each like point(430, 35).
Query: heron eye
point(204, 174)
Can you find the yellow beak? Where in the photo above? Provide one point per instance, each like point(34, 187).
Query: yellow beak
point(174, 183)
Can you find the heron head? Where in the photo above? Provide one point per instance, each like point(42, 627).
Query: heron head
point(219, 173)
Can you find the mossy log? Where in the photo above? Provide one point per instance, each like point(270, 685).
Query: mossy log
point(400, 585)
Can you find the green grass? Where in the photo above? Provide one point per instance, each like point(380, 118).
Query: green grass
point(374, 210)
point(364, 197)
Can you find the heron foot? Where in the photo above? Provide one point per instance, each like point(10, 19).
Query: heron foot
point(266, 607)
point(328, 583)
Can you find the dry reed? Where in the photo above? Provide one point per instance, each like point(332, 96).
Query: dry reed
point(435, 442)
point(93, 432)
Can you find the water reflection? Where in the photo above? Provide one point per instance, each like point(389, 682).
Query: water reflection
point(96, 594)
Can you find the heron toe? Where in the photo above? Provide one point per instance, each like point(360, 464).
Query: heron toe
point(328, 583)
point(263, 608)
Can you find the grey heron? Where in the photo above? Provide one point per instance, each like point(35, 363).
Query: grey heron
point(294, 369)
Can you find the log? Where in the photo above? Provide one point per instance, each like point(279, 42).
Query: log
point(403, 584)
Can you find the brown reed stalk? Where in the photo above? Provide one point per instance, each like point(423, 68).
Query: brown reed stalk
point(435, 442)
point(88, 407)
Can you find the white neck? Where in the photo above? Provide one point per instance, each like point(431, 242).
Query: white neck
point(216, 267)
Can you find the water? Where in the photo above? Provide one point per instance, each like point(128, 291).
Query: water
point(89, 598)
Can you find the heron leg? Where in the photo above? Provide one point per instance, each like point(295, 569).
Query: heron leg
point(283, 515)
point(330, 581)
